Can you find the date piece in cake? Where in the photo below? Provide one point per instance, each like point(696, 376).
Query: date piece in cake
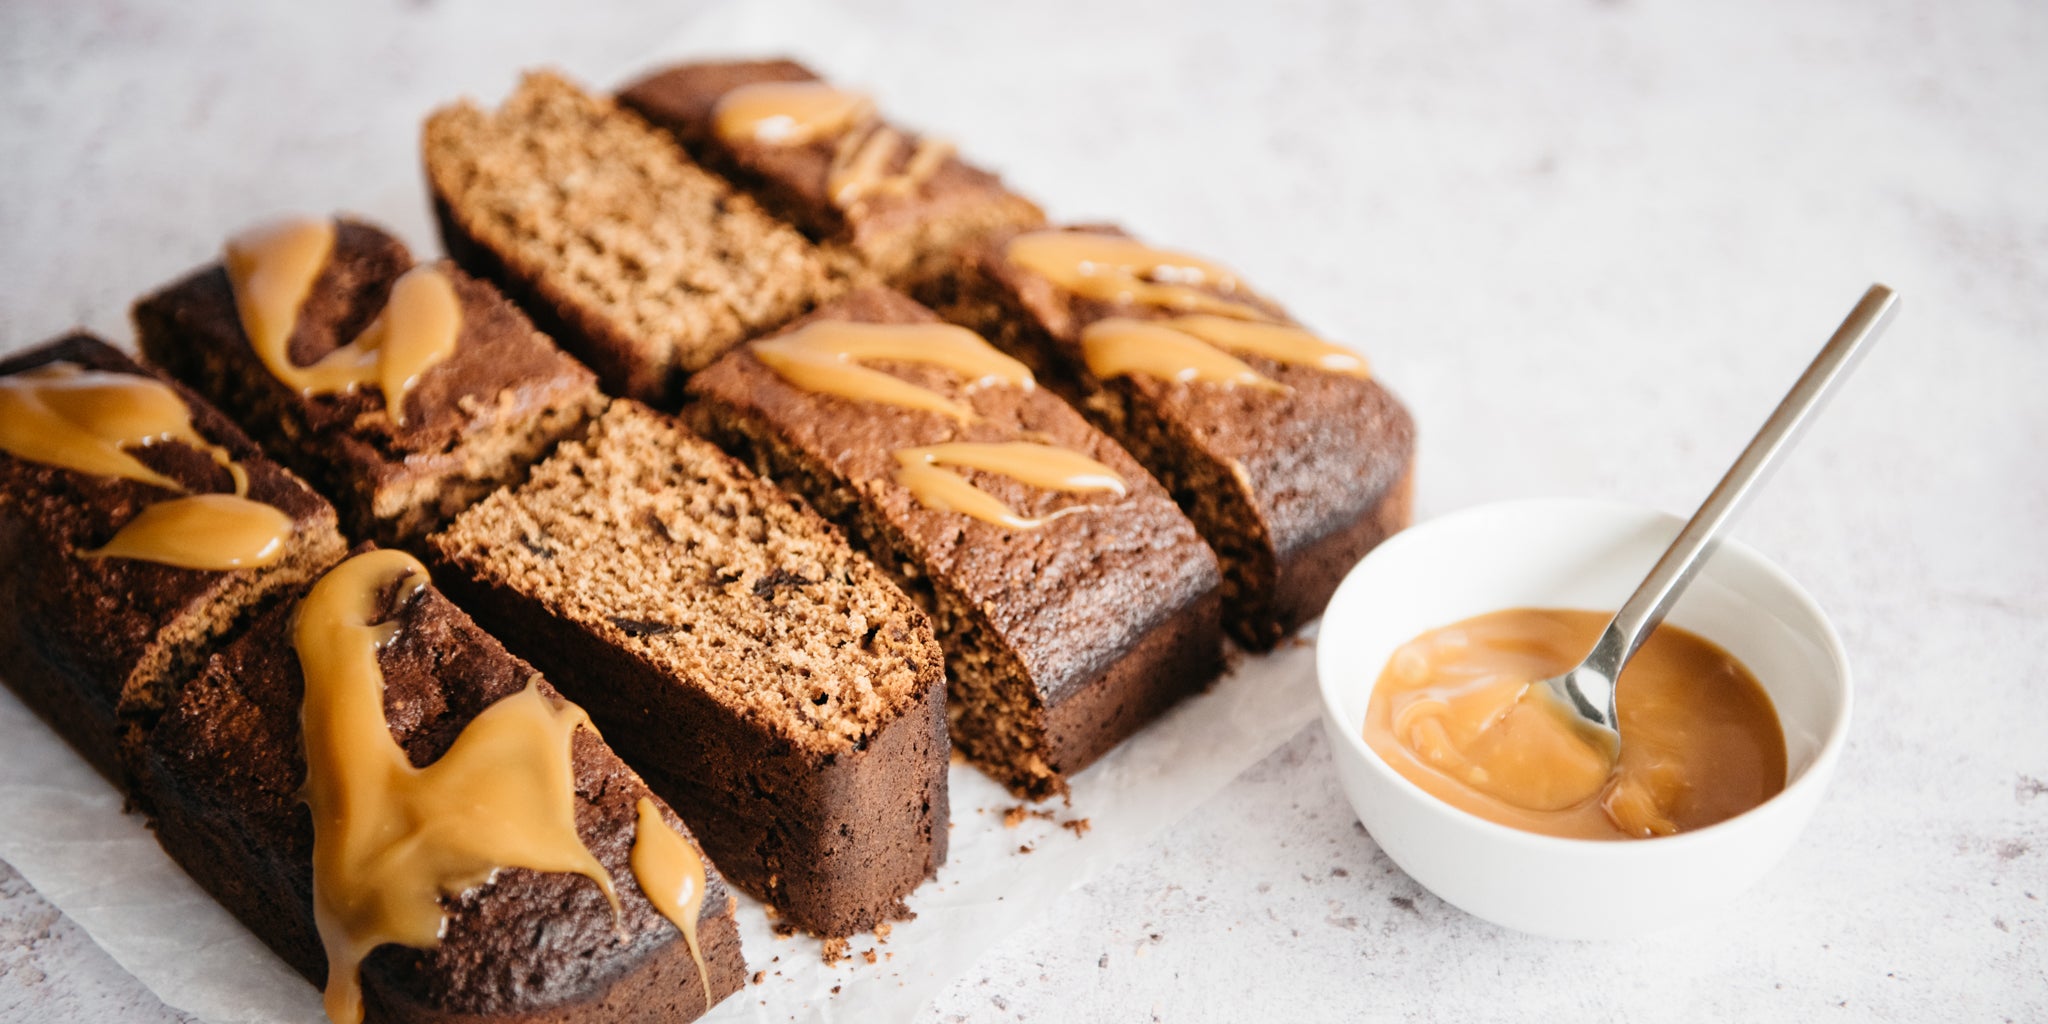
point(638, 261)
point(768, 681)
point(412, 817)
point(137, 525)
point(821, 158)
point(1290, 458)
point(404, 391)
point(1073, 599)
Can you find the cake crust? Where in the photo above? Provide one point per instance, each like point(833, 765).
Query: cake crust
point(223, 774)
point(904, 238)
point(473, 422)
point(99, 645)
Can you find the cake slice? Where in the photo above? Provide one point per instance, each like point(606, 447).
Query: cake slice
point(765, 679)
point(99, 456)
point(1072, 610)
point(465, 826)
point(822, 159)
point(632, 257)
point(1289, 457)
point(479, 394)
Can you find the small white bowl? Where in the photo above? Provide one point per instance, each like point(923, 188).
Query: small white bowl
point(1568, 553)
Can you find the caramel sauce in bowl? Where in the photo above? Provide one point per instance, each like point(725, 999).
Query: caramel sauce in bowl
point(1586, 879)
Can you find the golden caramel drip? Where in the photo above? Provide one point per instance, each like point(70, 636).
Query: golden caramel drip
point(216, 532)
point(672, 875)
point(1460, 712)
point(825, 357)
point(391, 841)
point(1278, 342)
point(860, 166)
point(923, 472)
point(1118, 346)
point(788, 113)
point(273, 268)
point(801, 113)
point(63, 415)
point(1112, 268)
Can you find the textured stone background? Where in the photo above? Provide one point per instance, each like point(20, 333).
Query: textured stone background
point(1590, 243)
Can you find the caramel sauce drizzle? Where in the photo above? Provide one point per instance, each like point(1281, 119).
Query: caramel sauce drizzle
point(672, 875)
point(1117, 346)
point(825, 356)
point(801, 113)
point(923, 472)
point(392, 841)
point(1278, 342)
point(1112, 268)
point(63, 415)
point(1192, 347)
point(273, 267)
point(215, 532)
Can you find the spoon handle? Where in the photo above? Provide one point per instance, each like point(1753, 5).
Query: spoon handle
point(1682, 560)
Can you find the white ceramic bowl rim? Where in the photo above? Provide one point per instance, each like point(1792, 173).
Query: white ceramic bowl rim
point(1816, 772)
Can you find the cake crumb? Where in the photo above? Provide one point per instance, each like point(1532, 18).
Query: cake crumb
point(1017, 815)
point(833, 951)
point(835, 990)
point(869, 956)
point(882, 931)
point(889, 956)
point(1023, 849)
point(760, 976)
point(1078, 826)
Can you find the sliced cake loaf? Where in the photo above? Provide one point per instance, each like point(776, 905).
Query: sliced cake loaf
point(1290, 458)
point(412, 817)
point(635, 259)
point(1072, 609)
point(137, 525)
point(772, 684)
point(823, 159)
point(404, 391)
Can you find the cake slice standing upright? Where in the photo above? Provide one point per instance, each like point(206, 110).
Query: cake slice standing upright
point(768, 681)
point(636, 260)
point(1288, 455)
point(1073, 599)
point(137, 526)
point(822, 158)
point(406, 391)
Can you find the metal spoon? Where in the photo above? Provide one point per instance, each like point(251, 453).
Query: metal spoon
point(1589, 688)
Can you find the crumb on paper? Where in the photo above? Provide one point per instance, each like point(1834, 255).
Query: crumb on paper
point(835, 990)
point(1015, 816)
point(1078, 826)
point(833, 951)
point(889, 956)
point(1024, 849)
point(882, 931)
point(760, 976)
point(869, 956)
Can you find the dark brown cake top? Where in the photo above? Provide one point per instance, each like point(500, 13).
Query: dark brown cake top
point(494, 361)
point(821, 156)
point(1067, 589)
point(1311, 436)
point(515, 941)
point(110, 613)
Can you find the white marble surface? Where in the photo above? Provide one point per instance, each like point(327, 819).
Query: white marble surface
point(1589, 242)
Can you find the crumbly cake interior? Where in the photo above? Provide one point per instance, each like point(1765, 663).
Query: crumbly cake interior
point(650, 537)
point(609, 216)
